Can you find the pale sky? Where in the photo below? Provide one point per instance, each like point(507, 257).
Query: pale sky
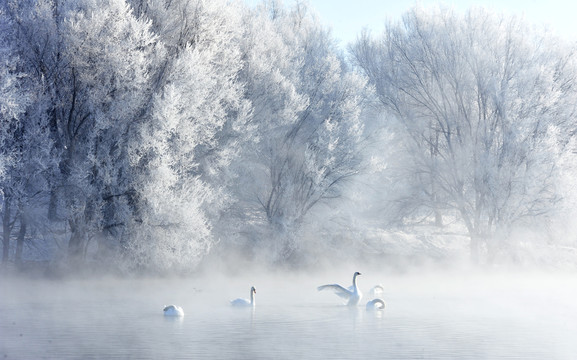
point(348, 17)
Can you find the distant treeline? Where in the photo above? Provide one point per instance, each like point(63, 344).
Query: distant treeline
point(148, 134)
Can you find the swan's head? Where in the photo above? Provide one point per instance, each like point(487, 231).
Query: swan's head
point(252, 290)
point(355, 279)
point(377, 290)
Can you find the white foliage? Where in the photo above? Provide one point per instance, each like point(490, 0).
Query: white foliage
point(14, 98)
point(199, 96)
point(477, 96)
point(164, 125)
point(111, 52)
point(306, 111)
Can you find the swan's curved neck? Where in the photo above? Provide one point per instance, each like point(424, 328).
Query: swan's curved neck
point(252, 297)
point(355, 280)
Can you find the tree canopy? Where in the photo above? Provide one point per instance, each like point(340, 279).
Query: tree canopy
point(149, 134)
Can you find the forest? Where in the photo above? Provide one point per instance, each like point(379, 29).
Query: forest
point(156, 136)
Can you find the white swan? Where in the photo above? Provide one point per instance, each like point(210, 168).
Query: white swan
point(173, 310)
point(245, 302)
point(376, 304)
point(377, 291)
point(353, 295)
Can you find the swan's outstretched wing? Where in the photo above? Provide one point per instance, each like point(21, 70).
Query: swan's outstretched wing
point(339, 290)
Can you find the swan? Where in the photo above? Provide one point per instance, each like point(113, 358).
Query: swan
point(245, 302)
point(353, 295)
point(173, 310)
point(376, 304)
point(377, 290)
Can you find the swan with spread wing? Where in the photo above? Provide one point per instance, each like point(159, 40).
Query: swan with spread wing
point(352, 295)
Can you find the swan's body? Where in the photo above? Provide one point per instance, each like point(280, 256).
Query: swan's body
point(173, 310)
point(245, 302)
point(376, 304)
point(353, 295)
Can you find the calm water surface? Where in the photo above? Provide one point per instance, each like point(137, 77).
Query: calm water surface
point(427, 317)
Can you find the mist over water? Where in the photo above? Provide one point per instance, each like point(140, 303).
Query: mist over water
point(441, 315)
point(245, 136)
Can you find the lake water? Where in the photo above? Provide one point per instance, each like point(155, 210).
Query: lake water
point(434, 316)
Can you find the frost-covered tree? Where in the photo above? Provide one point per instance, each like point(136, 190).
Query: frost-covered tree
point(25, 142)
point(91, 61)
point(305, 110)
point(13, 102)
point(112, 55)
point(144, 113)
point(188, 136)
point(481, 99)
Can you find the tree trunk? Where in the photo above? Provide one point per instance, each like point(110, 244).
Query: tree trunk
point(76, 242)
point(20, 241)
point(475, 248)
point(6, 230)
point(435, 196)
point(52, 206)
point(475, 243)
point(438, 218)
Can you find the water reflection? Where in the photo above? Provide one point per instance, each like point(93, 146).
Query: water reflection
point(376, 313)
point(240, 313)
point(177, 320)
